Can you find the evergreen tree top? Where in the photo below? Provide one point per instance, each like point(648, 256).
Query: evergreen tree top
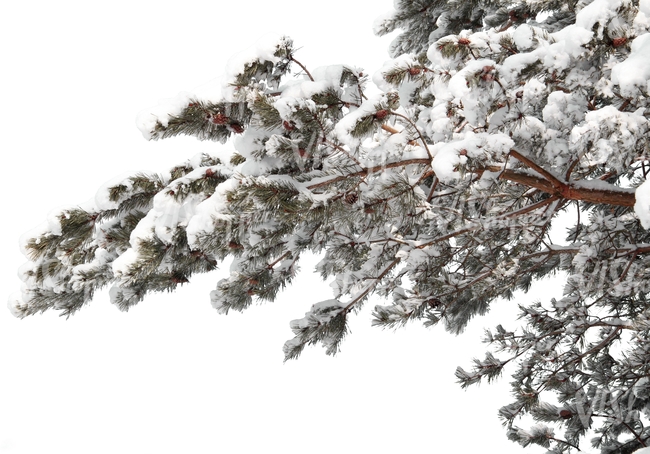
point(435, 186)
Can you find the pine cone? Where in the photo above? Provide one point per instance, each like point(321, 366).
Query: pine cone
point(178, 278)
point(487, 74)
point(237, 128)
point(219, 119)
point(381, 114)
point(351, 198)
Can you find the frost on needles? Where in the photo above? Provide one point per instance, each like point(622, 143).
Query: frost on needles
point(435, 186)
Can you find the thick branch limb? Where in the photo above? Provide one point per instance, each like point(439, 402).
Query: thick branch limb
point(576, 191)
point(572, 191)
point(555, 182)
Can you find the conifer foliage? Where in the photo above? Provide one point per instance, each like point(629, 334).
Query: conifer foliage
point(435, 186)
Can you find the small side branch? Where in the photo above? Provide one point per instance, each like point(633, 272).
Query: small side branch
point(303, 68)
point(370, 286)
point(408, 120)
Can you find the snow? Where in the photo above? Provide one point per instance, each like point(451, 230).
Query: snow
point(102, 200)
point(499, 144)
point(606, 131)
point(167, 108)
point(122, 264)
point(513, 65)
point(633, 74)
point(523, 37)
point(286, 105)
point(447, 155)
point(600, 185)
point(380, 24)
point(171, 214)
point(218, 90)
point(319, 314)
point(330, 74)
point(565, 45)
point(251, 144)
point(33, 234)
point(435, 57)
point(598, 12)
point(168, 213)
point(403, 61)
point(101, 258)
point(52, 226)
point(641, 22)
point(563, 110)
point(458, 83)
point(568, 45)
point(263, 50)
point(642, 204)
point(16, 305)
point(349, 122)
point(446, 158)
point(472, 101)
point(211, 209)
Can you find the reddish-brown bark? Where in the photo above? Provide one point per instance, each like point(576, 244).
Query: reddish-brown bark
point(550, 184)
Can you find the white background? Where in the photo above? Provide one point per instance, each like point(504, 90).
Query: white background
point(172, 375)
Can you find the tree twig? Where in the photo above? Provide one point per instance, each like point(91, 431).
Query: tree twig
point(303, 68)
